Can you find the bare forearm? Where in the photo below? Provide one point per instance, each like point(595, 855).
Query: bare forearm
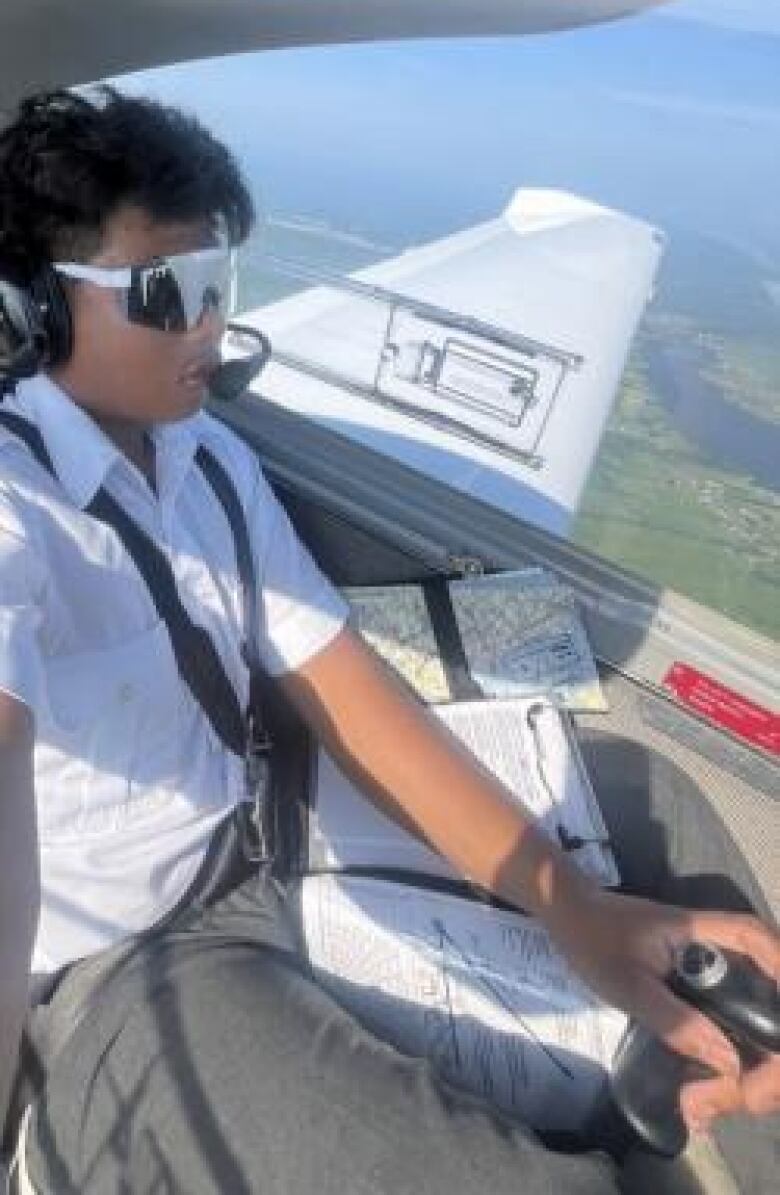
point(19, 903)
point(420, 775)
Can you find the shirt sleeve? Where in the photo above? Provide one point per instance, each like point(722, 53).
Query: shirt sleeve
point(21, 586)
point(301, 610)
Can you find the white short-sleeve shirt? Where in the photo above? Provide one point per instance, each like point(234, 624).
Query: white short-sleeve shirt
point(130, 778)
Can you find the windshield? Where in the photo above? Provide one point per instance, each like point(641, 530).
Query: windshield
point(358, 153)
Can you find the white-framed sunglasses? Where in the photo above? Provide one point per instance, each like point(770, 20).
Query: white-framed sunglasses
point(169, 293)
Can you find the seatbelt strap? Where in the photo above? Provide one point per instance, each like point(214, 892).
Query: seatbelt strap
point(197, 659)
point(29, 433)
point(225, 491)
point(258, 747)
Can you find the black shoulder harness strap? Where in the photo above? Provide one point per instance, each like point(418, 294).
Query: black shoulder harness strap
point(225, 491)
point(197, 659)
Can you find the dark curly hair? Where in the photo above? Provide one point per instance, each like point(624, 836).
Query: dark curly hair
point(67, 162)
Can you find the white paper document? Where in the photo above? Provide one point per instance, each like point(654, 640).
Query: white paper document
point(524, 742)
point(482, 993)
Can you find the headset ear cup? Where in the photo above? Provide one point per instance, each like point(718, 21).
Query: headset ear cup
point(52, 304)
point(23, 339)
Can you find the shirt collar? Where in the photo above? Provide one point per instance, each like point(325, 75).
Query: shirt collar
point(175, 447)
point(82, 454)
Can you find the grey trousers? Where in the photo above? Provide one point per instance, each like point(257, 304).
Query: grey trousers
point(210, 1061)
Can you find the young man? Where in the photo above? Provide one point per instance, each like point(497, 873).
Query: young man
point(203, 1057)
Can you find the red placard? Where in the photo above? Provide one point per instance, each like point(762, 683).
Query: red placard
point(725, 707)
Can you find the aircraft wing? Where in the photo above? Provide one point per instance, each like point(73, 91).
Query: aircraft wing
point(489, 359)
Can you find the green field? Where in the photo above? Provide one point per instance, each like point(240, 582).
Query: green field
point(658, 507)
point(748, 373)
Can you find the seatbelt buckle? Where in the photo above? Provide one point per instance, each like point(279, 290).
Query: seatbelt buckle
point(257, 782)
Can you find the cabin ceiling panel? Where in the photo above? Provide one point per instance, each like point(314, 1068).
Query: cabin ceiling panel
point(52, 42)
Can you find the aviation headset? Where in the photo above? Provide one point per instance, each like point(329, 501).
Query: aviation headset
point(36, 331)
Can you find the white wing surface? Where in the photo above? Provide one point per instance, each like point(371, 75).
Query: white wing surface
point(489, 360)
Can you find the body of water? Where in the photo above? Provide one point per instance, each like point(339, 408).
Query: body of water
point(734, 438)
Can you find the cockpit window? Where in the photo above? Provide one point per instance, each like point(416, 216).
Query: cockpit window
point(358, 153)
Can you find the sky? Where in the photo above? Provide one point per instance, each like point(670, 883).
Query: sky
point(757, 16)
point(673, 116)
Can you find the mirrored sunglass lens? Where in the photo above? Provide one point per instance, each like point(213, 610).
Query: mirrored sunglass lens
point(204, 284)
point(173, 295)
point(155, 300)
point(212, 299)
